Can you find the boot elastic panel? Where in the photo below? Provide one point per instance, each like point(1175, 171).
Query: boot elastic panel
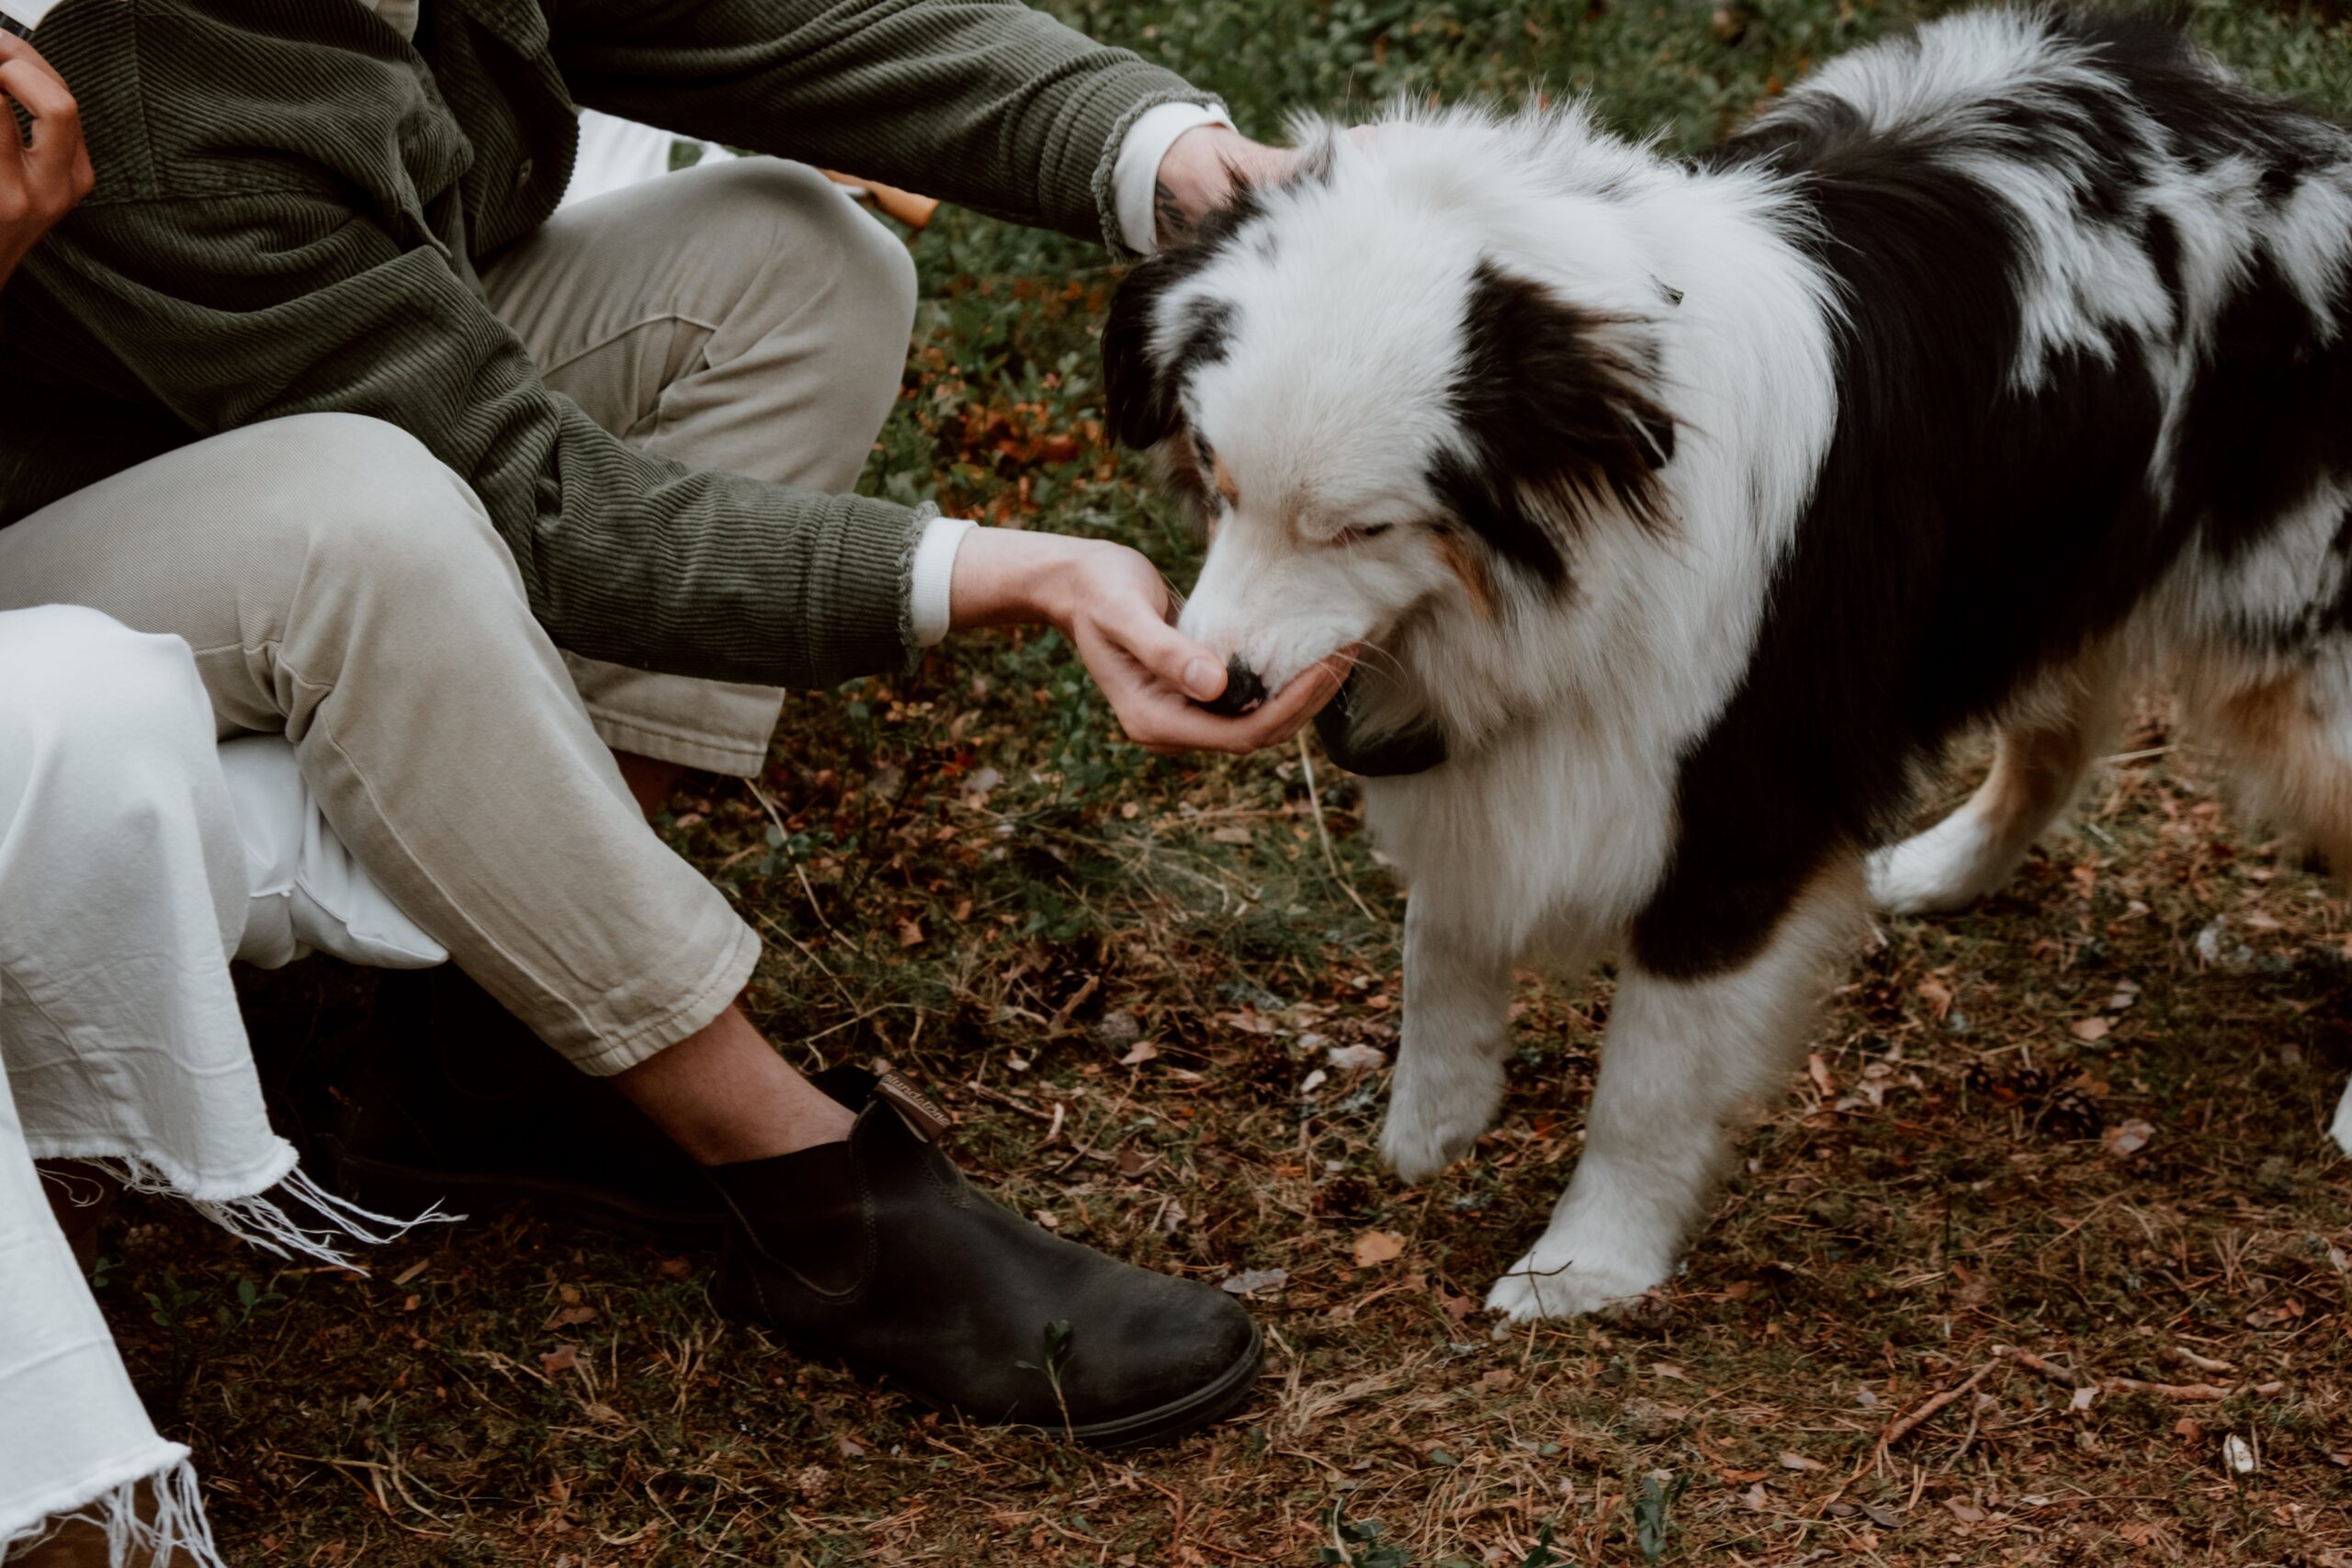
point(857, 1089)
point(804, 1212)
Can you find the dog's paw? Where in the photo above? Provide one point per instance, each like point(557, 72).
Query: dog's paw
point(1419, 1151)
point(1428, 1129)
point(1551, 1282)
point(1948, 867)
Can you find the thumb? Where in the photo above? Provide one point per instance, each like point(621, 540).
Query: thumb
point(1179, 660)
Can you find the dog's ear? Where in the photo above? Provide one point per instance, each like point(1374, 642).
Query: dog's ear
point(1561, 400)
point(1143, 369)
point(1138, 395)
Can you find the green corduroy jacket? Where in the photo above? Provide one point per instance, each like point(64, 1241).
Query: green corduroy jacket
point(280, 183)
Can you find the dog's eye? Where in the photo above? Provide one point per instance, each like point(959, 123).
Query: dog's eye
point(1358, 535)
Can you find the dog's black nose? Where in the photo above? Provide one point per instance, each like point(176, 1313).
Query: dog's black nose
point(1243, 690)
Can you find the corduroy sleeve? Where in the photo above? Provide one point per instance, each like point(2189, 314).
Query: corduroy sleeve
point(235, 309)
point(984, 103)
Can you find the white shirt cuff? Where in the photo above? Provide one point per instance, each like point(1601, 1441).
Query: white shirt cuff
point(1136, 172)
point(930, 593)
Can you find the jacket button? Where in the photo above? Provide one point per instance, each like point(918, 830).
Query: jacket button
point(523, 173)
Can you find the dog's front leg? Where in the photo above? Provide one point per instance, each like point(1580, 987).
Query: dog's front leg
point(1457, 1030)
point(1681, 1060)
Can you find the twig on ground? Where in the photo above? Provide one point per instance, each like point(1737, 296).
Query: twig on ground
point(998, 1097)
point(1903, 1426)
point(2084, 1382)
point(1331, 856)
point(798, 870)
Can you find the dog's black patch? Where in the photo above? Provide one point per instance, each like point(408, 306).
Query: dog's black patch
point(2269, 415)
point(1143, 391)
point(1374, 755)
point(1966, 535)
point(1561, 416)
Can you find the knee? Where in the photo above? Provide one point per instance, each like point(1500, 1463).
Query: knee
point(877, 275)
point(831, 246)
point(377, 509)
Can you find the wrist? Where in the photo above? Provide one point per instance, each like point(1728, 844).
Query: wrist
point(1008, 576)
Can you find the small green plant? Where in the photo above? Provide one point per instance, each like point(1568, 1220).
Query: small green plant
point(1358, 1545)
point(1653, 1508)
point(1057, 1339)
point(1540, 1554)
point(170, 1306)
point(103, 1269)
point(250, 1297)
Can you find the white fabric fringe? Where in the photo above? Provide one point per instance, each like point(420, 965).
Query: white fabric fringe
point(174, 1523)
point(259, 1220)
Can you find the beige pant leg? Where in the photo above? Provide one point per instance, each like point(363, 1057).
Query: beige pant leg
point(746, 317)
point(340, 587)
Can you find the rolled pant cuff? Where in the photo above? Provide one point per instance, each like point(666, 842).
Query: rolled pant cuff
point(604, 1056)
point(740, 760)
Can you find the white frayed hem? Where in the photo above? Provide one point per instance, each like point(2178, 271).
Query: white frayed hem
point(259, 1219)
point(151, 1530)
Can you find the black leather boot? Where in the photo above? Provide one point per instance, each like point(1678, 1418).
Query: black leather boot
point(453, 1099)
point(878, 1251)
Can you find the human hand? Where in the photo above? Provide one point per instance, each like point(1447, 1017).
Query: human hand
point(1112, 605)
point(41, 176)
point(1201, 168)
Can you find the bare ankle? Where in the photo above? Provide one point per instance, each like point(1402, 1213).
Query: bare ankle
point(724, 1096)
point(652, 782)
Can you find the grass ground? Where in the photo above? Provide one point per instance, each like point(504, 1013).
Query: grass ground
point(2043, 1261)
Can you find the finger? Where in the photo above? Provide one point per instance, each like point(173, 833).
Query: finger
point(1159, 719)
point(1290, 709)
point(57, 123)
point(13, 179)
point(14, 47)
point(1185, 664)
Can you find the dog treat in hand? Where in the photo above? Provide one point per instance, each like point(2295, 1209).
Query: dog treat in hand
point(1243, 690)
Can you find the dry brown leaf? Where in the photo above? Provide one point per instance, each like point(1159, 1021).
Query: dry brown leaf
point(1374, 1247)
point(911, 933)
point(2090, 1029)
point(1819, 1071)
point(562, 1358)
point(1937, 996)
point(1792, 1460)
point(1140, 1051)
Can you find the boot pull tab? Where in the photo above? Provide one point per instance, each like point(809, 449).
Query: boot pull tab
point(926, 1120)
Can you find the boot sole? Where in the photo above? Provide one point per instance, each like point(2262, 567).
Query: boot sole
point(1165, 1424)
point(1162, 1424)
point(406, 1189)
point(1181, 1417)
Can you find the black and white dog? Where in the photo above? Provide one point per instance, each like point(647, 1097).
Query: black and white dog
point(1685, 509)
